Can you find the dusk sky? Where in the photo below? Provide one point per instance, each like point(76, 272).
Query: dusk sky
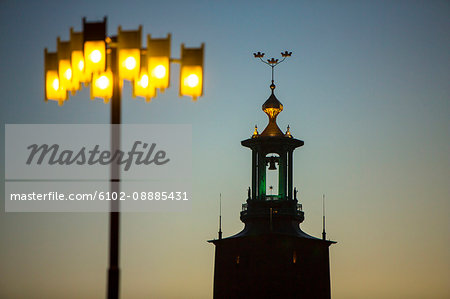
point(367, 88)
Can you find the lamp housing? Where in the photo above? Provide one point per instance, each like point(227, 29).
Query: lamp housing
point(77, 58)
point(94, 46)
point(191, 72)
point(65, 71)
point(102, 84)
point(158, 61)
point(53, 89)
point(129, 48)
point(143, 86)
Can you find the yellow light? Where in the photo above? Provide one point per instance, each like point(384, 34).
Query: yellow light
point(191, 81)
point(53, 90)
point(144, 87)
point(144, 81)
point(68, 74)
point(65, 76)
point(129, 49)
point(159, 71)
point(129, 63)
point(78, 68)
point(191, 72)
point(77, 58)
point(102, 86)
point(102, 82)
point(55, 84)
point(95, 54)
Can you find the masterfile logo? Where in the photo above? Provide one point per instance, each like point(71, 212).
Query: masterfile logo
point(68, 167)
point(53, 155)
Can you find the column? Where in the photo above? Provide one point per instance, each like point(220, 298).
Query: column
point(261, 176)
point(282, 164)
point(254, 172)
point(290, 164)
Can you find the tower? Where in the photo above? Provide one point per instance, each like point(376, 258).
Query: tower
point(272, 257)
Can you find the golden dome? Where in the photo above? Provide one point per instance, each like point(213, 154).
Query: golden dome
point(272, 107)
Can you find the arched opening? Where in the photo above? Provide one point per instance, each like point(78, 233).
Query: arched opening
point(272, 176)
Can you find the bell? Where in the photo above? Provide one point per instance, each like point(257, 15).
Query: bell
point(272, 165)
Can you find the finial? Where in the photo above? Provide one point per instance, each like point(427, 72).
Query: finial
point(286, 54)
point(288, 133)
point(258, 55)
point(295, 193)
point(248, 192)
point(255, 133)
point(272, 87)
point(273, 62)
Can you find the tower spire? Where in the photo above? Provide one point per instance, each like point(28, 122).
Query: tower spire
point(272, 107)
point(324, 234)
point(220, 216)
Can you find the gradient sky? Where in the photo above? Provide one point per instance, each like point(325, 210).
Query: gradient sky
point(367, 89)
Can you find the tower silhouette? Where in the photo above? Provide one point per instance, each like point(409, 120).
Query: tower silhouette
point(272, 257)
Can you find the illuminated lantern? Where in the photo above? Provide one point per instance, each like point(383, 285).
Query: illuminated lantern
point(158, 61)
point(143, 86)
point(65, 72)
point(191, 72)
point(94, 46)
point(53, 89)
point(77, 58)
point(102, 84)
point(129, 47)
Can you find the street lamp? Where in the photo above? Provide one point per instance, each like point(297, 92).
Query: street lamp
point(53, 88)
point(142, 86)
point(77, 58)
point(93, 58)
point(129, 45)
point(65, 73)
point(94, 46)
point(191, 72)
point(158, 64)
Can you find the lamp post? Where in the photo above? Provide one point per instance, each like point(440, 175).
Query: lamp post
point(93, 58)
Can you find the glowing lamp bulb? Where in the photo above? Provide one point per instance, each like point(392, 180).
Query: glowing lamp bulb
point(130, 63)
point(81, 65)
point(159, 71)
point(68, 74)
point(95, 56)
point(191, 80)
point(144, 81)
point(102, 82)
point(55, 84)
